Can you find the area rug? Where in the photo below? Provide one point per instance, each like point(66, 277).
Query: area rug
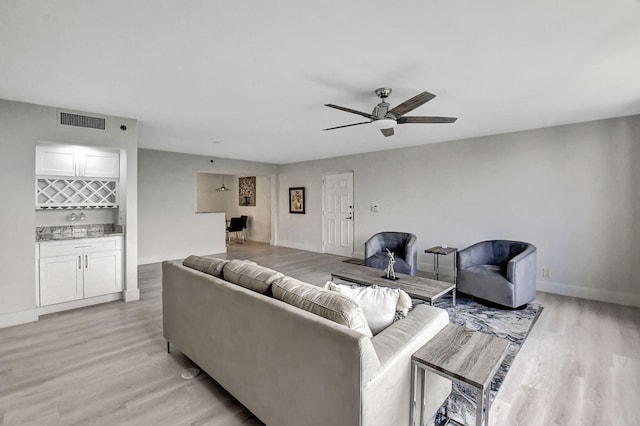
point(513, 325)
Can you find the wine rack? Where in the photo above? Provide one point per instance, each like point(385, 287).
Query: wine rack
point(73, 193)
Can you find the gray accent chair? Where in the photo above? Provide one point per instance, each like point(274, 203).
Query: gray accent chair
point(500, 271)
point(402, 244)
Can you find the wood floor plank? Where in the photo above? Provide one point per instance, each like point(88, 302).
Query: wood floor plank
point(107, 364)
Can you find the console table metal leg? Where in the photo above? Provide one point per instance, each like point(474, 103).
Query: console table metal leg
point(436, 266)
point(479, 407)
point(423, 396)
point(455, 267)
point(412, 400)
point(487, 401)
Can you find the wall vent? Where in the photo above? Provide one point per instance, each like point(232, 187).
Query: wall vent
point(78, 120)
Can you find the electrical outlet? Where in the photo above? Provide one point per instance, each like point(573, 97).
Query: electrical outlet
point(546, 273)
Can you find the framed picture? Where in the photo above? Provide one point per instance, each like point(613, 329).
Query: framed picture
point(296, 200)
point(247, 191)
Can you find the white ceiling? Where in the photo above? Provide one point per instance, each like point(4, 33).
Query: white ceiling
point(254, 75)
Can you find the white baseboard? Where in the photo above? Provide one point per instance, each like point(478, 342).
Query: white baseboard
point(75, 304)
point(601, 295)
point(17, 318)
point(131, 295)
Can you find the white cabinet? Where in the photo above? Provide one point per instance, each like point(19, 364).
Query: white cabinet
point(60, 279)
point(56, 160)
point(102, 273)
point(79, 269)
point(65, 160)
point(101, 164)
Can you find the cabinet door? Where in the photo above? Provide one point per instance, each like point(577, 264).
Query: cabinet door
point(101, 164)
point(56, 161)
point(102, 273)
point(60, 279)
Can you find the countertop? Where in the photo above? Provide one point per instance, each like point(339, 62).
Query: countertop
point(67, 236)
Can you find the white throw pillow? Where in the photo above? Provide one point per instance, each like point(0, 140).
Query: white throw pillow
point(379, 304)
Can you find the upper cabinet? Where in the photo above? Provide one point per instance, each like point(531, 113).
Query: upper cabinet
point(72, 161)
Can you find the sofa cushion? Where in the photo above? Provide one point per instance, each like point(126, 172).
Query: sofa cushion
point(327, 304)
point(381, 305)
point(208, 265)
point(250, 275)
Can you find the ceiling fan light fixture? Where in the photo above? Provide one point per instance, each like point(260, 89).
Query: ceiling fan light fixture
point(384, 123)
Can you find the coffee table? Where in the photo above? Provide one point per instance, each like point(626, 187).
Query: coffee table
point(417, 287)
point(467, 357)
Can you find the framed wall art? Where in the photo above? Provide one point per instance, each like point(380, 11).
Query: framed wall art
point(296, 200)
point(247, 191)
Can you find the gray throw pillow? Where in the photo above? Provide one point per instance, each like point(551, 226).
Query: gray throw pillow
point(327, 304)
point(208, 265)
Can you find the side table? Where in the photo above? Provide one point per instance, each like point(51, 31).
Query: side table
point(438, 251)
point(469, 358)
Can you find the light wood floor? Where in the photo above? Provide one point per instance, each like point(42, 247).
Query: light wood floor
point(108, 364)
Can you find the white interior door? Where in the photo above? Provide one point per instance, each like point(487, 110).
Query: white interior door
point(338, 214)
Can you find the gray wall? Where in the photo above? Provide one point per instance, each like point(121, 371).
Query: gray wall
point(570, 190)
point(21, 126)
point(169, 227)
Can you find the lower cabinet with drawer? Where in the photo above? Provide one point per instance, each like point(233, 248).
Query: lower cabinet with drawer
point(79, 269)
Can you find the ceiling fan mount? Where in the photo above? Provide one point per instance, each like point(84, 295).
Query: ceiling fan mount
point(383, 92)
point(386, 118)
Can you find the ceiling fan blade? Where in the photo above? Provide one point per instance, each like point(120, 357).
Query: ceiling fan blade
point(352, 111)
point(347, 125)
point(413, 103)
point(403, 120)
point(387, 132)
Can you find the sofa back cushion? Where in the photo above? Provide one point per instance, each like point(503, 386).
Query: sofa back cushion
point(504, 251)
point(208, 265)
point(327, 304)
point(250, 275)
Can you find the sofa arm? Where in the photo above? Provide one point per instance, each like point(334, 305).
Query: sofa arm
point(372, 246)
point(522, 268)
point(422, 323)
point(476, 254)
point(411, 253)
point(386, 398)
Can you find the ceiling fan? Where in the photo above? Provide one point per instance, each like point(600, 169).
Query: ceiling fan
point(386, 118)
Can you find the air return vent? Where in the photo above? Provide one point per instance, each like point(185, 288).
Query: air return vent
point(77, 120)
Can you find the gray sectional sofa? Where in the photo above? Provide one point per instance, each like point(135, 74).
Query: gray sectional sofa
point(287, 365)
